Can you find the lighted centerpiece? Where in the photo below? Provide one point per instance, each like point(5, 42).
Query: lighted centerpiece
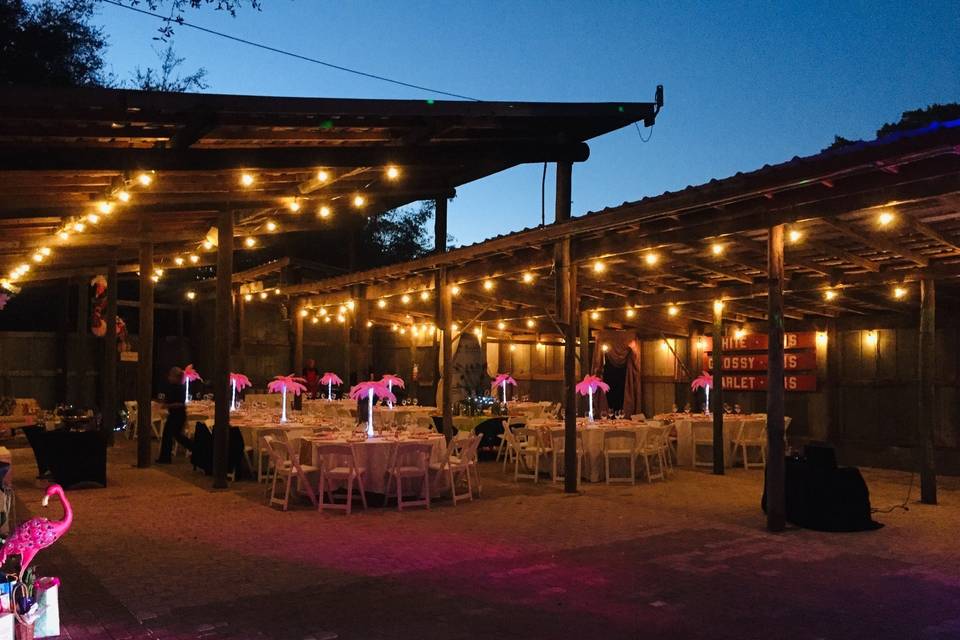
point(282, 384)
point(330, 379)
point(704, 380)
point(238, 382)
point(189, 374)
point(390, 380)
point(588, 386)
point(368, 390)
point(502, 380)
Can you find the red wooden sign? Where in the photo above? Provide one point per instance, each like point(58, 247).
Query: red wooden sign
point(758, 342)
point(803, 360)
point(803, 382)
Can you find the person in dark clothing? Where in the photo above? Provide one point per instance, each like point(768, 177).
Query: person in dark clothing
point(312, 375)
point(174, 393)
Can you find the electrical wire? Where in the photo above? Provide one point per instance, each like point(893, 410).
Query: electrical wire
point(902, 505)
point(639, 133)
point(373, 76)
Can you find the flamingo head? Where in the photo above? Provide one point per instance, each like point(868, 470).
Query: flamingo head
point(52, 490)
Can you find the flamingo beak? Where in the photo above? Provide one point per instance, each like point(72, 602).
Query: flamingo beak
point(46, 501)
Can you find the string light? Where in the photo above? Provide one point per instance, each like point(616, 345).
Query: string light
point(123, 195)
point(45, 251)
point(424, 295)
point(79, 227)
point(527, 277)
point(501, 325)
point(872, 338)
point(342, 309)
point(405, 298)
point(326, 319)
point(178, 261)
point(248, 297)
point(455, 290)
point(829, 294)
point(885, 218)
point(37, 257)
point(454, 327)
point(322, 176)
point(341, 319)
point(594, 315)
point(598, 266)
point(651, 258)
point(263, 295)
point(323, 311)
point(105, 207)
point(246, 179)
point(739, 333)
point(513, 347)
point(207, 245)
point(194, 258)
point(393, 173)
point(294, 206)
point(350, 304)
point(144, 179)
point(250, 242)
point(488, 284)
point(717, 248)
point(531, 323)
point(604, 348)
point(324, 211)
point(631, 313)
point(191, 295)
point(359, 201)
point(673, 310)
point(717, 306)
point(314, 319)
point(794, 235)
point(304, 313)
point(93, 218)
point(821, 338)
point(155, 278)
point(899, 292)
point(159, 272)
point(382, 303)
point(271, 225)
point(64, 234)
point(369, 323)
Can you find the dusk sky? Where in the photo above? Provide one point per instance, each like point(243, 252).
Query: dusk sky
point(745, 84)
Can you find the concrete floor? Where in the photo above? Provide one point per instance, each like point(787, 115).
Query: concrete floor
point(159, 555)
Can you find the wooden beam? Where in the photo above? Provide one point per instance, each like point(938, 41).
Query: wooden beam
point(926, 407)
point(567, 315)
point(775, 478)
point(925, 229)
point(221, 349)
point(108, 410)
point(564, 191)
point(759, 247)
point(71, 158)
point(717, 395)
point(446, 319)
point(145, 357)
point(874, 241)
point(710, 268)
point(440, 225)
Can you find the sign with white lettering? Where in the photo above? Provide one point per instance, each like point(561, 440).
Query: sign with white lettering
point(759, 342)
point(802, 382)
point(800, 361)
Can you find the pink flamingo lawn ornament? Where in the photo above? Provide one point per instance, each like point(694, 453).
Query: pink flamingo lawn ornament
point(588, 386)
point(282, 384)
point(189, 373)
point(330, 379)
point(704, 380)
point(238, 382)
point(37, 533)
point(390, 380)
point(368, 390)
point(502, 380)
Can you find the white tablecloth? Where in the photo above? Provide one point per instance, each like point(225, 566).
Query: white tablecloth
point(731, 428)
point(374, 456)
point(592, 436)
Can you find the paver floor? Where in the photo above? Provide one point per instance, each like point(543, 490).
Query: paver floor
point(158, 554)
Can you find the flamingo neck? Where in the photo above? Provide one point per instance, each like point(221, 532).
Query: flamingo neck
point(67, 509)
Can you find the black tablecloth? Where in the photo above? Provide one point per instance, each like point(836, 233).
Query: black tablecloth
point(72, 457)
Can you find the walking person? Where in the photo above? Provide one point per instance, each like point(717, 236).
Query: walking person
point(174, 392)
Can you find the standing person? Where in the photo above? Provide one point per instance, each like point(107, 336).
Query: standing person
point(312, 376)
point(173, 396)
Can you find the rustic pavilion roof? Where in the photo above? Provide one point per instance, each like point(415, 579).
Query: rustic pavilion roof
point(830, 200)
point(65, 151)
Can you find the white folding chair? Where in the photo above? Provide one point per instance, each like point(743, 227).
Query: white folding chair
point(286, 465)
point(528, 444)
point(338, 463)
point(652, 447)
point(455, 464)
point(558, 443)
point(620, 444)
point(701, 436)
point(752, 435)
point(410, 461)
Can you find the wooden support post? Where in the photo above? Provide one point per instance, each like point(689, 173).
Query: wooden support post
point(412, 383)
point(437, 335)
point(567, 312)
point(81, 344)
point(926, 414)
point(716, 394)
point(347, 352)
point(145, 355)
point(221, 349)
point(775, 470)
point(586, 362)
point(440, 225)
point(240, 319)
point(362, 315)
point(298, 337)
point(564, 191)
point(63, 342)
point(108, 382)
point(446, 319)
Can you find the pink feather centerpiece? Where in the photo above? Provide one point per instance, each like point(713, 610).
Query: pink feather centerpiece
point(705, 381)
point(238, 382)
point(37, 533)
point(390, 380)
point(330, 379)
point(282, 384)
point(189, 374)
point(588, 386)
point(502, 380)
point(368, 390)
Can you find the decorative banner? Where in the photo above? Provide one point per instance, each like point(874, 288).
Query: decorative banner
point(802, 361)
point(803, 382)
point(759, 342)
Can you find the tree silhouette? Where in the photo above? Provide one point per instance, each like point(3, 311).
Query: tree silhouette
point(909, 120)
point(166, 77)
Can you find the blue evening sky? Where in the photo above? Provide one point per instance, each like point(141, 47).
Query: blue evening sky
point(745, 83)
